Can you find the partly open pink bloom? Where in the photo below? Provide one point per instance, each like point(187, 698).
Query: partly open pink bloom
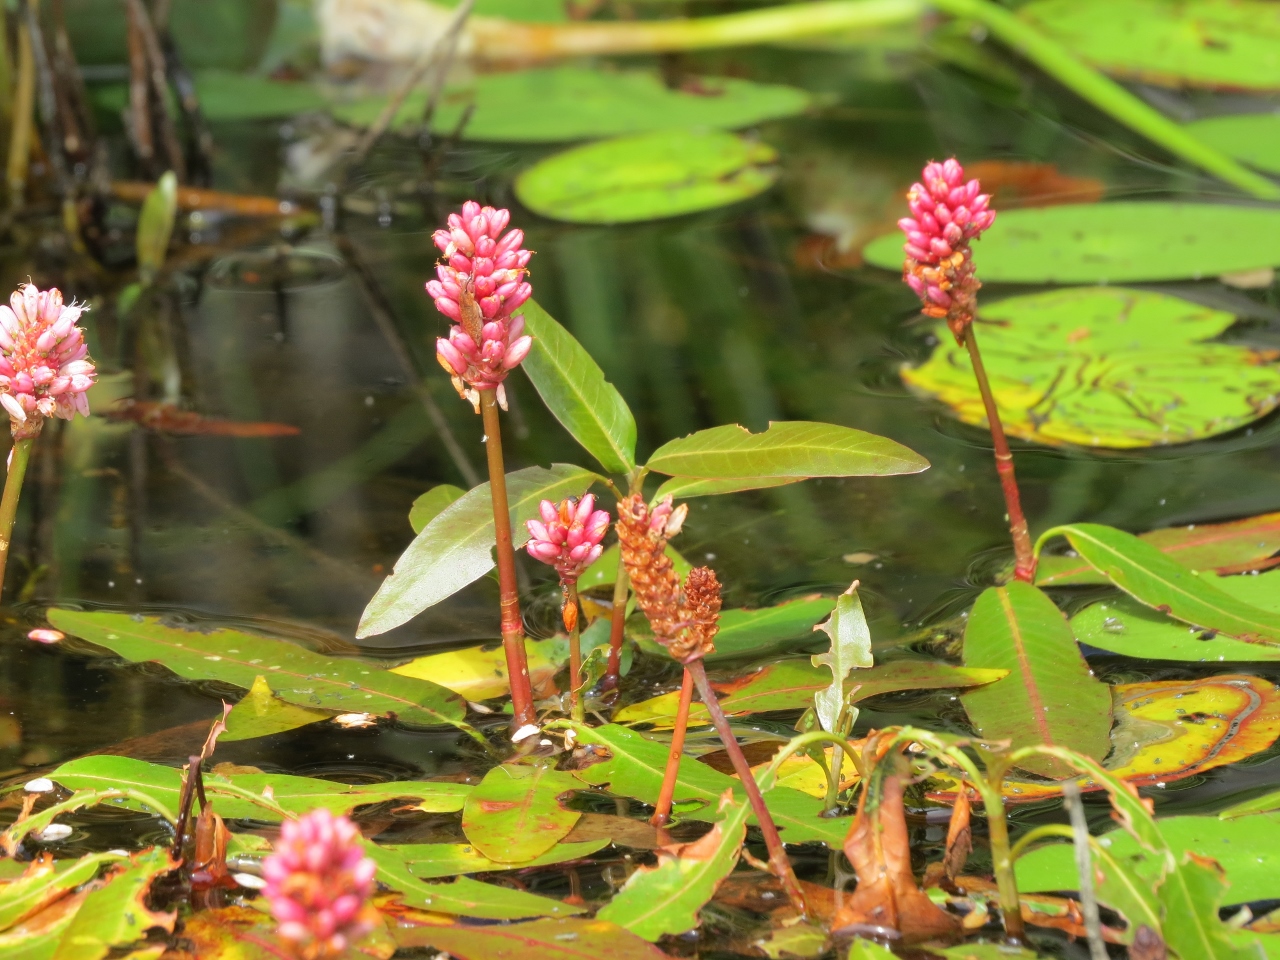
point(947, 213)
point(568, 535)
point(44, 362)
point(479, 283)
point(318, 882)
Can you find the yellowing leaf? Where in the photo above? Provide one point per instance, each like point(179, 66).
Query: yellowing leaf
point(479, 673)
point(261, 714)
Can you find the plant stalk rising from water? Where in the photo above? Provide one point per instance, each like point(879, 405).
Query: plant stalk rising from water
point(480, 282)
point(45, 371)
point(948, 213)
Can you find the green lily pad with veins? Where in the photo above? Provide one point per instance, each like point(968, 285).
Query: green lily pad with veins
point(1104, 367)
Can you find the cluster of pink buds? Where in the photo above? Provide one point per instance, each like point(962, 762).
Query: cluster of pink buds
point(318, 882)
point(568, 535)
point(480, 282)
point(947, 213)
point(44, 361)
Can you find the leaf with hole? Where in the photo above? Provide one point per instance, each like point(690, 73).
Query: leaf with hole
point(514, 814)
point(1103, 367)
point(1050, 695)
point(1126, 242)
point(296, 674)
point(788, 448)
point(573, 387)
point(648, 177)
point(456, 547)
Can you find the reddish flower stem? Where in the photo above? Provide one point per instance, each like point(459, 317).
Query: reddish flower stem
point(9, 501)
point(575, 654)
point(662, 812)
point(1024, 554)
point(777, 853)
point(617, 627)
point(512, 626)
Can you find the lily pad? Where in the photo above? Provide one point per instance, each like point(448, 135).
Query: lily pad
point(1233, 44)
point(514, 814)
point(1115, 243)
point(557, 104)
point(1104, 367)
point(1251, 137)
point(648, 177)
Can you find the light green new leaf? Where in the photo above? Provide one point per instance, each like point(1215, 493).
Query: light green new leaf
point(514, 814)
point(430, 861)
point(754, 633)
point(1129, 242)
point(463, 897)
point(648, 177)
point(788, 448)
point(573, 387)
point(155, 226)
point(430, 504)
point(1050, 696)
point(296, 674)
point(456, 548)
point(1152, 578)
point(1191, 895)
point(665, 899)
point(116, 914)
point(1251, 137)
point(850, 647)
point(684, 488)
point(260, 714)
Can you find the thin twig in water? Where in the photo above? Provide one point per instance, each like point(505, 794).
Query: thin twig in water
point(48, 100)
point(160, 89)
point(201, 156)
point(1084, 867)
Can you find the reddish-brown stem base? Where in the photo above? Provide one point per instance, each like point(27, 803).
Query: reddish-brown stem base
point(1023, 552)
point(575, 653)
point(512, 625)
point(662, 812)
point(617, 628)
point(777, 853)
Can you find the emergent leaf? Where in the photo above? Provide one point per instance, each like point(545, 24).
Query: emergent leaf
point(850, 648)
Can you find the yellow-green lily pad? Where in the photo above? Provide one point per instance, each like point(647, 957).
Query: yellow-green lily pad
point(1251, 137)
point(1104, 367)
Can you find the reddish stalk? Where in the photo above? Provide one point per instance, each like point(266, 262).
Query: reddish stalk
point(662, 811)
point(777, 852)
point(512, 626)
point(617, 629)
point(1023, 551)
point(570, 614)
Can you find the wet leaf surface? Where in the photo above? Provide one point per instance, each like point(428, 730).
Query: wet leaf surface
point(1102, 367)
point(539, 940)
point(43, 882)
point(514, 814)
point(296, 674)
point(260, 714)
point(115, 914)
point(1115, 243)
point(242, 933)
point(647, 177)
point(430, 861)
point(665, 899)
point(1050, 695)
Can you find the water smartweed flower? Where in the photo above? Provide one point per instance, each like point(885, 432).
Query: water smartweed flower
point(45, 368)
point(568, 535)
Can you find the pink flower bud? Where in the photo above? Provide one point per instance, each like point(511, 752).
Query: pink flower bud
point(568, 535)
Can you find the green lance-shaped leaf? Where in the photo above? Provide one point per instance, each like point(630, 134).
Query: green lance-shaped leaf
point(1251, 137)
point(155, 226)
point(787, 449)
point(296, 674)
point(456, 547)
point(429, 861)
point(261, 713)
point(850, 648)
point(573, 387)
point(116, 914)
point(514, 814)
point(429, 505)
point(665, 899)
point(41, 885)
point(683, 488)
point(1154, 579)
point(1050, 696)
point(564, 939)
point(463, 897)
point(635, 768)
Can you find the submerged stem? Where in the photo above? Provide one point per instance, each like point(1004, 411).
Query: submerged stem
point(512, 626)
point(21, 456)
point(777, 853)
point(1084, 867)
point(662, 810)
point(1024, 556)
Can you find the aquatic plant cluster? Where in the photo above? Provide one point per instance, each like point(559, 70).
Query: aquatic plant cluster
point(746, 788)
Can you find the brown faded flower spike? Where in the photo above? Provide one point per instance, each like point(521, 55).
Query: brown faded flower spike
point(642, 537)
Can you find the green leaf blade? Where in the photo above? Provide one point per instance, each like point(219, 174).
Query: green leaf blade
point(514, 814)
point(850, 647)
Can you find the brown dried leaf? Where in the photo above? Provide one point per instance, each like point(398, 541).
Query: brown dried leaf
point(959, 838)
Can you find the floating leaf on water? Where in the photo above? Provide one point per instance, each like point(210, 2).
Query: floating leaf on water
point(1233, 547)
point(168, 418)
point(801, 772)
point(260, 714)
point(648, 177)
point(430, 861)
point(480, 673)
point(1102, 367)
point(665, 899)
point(246, 96)
point(574, 388)
point(1251, 137)
point(514, 814)
point(116, 914)
point(1050, 696)
point(243, 933)
point(456, 548)
point(554, 104)
point(569, 939)
point(43, 882)
point(1220, 44)
point(37, 937)
point(788, 448)
point(296, 674)
point(430, 504)
point(1152, 578)
point(1115, 243)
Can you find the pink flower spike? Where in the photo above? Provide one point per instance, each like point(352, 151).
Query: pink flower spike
point(568, 536)
point(42, 360)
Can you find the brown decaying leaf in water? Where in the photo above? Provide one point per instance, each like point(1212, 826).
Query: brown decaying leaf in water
point(959, 838)
point(1147, 945)
point(167, 418)
point(887, 900)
